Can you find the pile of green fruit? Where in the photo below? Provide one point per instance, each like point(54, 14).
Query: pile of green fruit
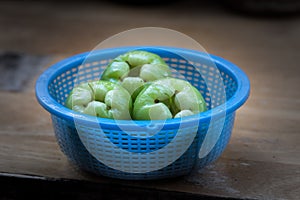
point(137, 85)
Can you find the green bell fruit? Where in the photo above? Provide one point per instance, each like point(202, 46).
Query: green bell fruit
point(135, 68)
point(102, 99)
point(133, 85)
point(168, 98)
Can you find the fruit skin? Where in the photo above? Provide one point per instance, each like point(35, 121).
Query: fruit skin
point(143, 66)
point(148, 104)
point(168, 98)
point(102, 99)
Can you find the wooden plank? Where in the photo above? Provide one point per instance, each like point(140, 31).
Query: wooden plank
point(22, 187)
point(235, 177)
point(16, 69)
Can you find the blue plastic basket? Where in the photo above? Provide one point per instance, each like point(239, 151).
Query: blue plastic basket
point(124, 150)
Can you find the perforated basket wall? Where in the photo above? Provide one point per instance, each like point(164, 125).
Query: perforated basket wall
point(83, 141)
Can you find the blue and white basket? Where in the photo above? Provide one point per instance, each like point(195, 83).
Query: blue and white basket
point(129, 149)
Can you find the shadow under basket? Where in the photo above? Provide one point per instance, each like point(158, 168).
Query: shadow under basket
point(136, 149)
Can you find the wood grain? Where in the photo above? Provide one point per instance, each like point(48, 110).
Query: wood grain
point(262, 159)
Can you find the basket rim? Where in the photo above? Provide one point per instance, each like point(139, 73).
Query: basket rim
point(52, 106)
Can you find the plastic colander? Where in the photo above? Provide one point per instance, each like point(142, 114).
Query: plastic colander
point(133, 149)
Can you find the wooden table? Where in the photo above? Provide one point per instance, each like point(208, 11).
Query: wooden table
point(262, 159)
